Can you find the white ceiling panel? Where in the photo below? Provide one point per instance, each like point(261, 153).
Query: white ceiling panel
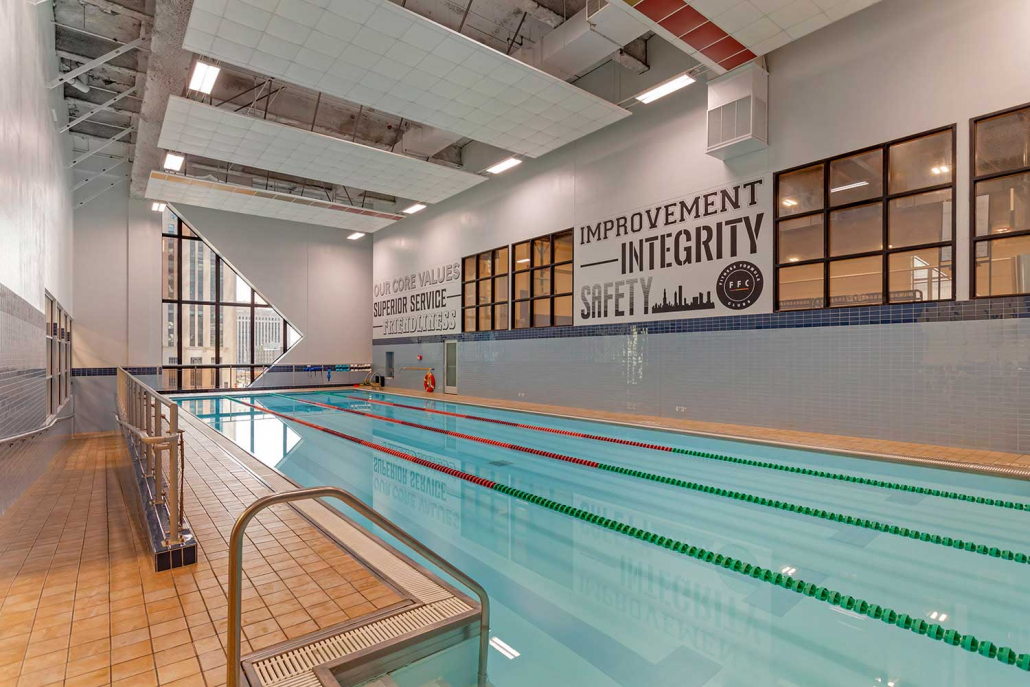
point(174, 188)
point(198, 129)
point(375, 53)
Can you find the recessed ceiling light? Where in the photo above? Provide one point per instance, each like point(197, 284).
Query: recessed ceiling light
point(942, 169)
point(414, 208)
point(666, 88)
point(846, 187)
point(504, 165)
point(204, 76)
point(158, 207)
point(174, 162)
point(355, 236)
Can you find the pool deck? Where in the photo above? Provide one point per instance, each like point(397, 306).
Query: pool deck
point(861, 447)
point(80, 603)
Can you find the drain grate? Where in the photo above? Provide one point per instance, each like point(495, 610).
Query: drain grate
point(289, 668)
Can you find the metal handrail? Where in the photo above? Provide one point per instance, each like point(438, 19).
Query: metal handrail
point(140, 410)
point(33, 432)
point(236, 569)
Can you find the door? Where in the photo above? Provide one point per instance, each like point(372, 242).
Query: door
point(450, 367)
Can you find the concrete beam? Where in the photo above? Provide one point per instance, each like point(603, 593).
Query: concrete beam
point(540, 13)
point(167, 73)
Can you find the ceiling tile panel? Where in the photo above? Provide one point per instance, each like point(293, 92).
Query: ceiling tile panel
point(377, 54)
point(198, 129)
point(173, 188)
point(761, 26)
point(684, 21)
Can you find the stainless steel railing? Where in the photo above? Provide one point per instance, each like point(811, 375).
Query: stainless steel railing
point(232, 676)
point(152, 421)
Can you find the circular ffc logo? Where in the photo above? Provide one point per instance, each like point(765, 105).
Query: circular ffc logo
point(740, 285)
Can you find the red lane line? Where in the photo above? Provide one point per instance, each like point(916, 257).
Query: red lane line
point(489, 484)
point(469, 437)
point(536, 428)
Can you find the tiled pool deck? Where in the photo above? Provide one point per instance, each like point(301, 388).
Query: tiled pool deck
point(825, 442)
point(80, 604)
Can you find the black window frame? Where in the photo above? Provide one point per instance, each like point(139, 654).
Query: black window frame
point(974, 179)
point(490, 279)
point(885, 198)
point(550, 267)
point(173, 374)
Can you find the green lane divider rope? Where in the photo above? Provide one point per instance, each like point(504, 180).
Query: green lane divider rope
point(886, 528)
point(871, 610)
point(808, 472)
point(852, 479)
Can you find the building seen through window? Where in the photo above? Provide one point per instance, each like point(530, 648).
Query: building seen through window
point(217, 331)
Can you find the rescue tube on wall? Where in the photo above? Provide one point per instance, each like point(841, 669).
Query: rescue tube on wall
point(429, 382)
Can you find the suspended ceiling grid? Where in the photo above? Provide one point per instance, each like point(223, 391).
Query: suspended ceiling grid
point(217, 195)
point(380, 55)
point(197, 129)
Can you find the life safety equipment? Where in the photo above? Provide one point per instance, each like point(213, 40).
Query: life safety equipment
point(429, 382)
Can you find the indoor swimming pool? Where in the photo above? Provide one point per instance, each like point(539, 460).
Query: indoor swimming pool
point(620, 556)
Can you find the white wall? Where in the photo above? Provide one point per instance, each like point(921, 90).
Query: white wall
point(320, 281)
point(897, 68)
point(35, 187)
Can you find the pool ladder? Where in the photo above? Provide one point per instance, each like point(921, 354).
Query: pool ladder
point(233, 669)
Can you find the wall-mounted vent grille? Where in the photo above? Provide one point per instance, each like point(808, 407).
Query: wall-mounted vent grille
point(738, 113)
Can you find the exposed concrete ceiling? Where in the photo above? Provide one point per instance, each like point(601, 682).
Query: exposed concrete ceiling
point(87, 29)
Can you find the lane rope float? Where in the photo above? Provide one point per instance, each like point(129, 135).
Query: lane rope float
point(889, 616)
point(807, 472)
point(854, 521)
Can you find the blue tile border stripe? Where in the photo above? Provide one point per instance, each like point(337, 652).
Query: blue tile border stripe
point(1008, 307)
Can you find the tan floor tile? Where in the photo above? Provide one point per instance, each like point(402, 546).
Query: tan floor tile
point(136, 666)
point(88, 665)
point(96, 678)
point(131, 651)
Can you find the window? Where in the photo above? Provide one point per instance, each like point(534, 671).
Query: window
point(869, 227)
point(1000, 212)
point(212, 319)
point(542, 274)
point(484, 291)
point(58, 355)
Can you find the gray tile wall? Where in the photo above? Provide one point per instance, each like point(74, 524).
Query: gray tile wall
point(23, 397)
point(22, 364)
point(958, 383)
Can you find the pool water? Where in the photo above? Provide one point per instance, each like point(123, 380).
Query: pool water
point(586, 606)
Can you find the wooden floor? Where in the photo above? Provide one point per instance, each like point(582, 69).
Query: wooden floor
point(829, 442)
point(80, 604)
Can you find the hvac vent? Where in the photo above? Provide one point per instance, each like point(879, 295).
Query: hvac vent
point(738, 113)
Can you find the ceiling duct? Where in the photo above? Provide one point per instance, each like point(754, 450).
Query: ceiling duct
point(586, 38)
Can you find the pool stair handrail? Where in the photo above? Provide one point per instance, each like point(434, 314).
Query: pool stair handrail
point(150, 422)
point(233, 667)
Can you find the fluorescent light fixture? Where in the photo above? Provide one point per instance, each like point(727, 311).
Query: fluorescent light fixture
point(158, 207)
point(789, 202)
point(355, 236)
point(857, 184)
point(504, 165)
point(942, 169)
point(174, 162)
point(519, 262)
point(788, 570)
point(204, 76)
point(411, 210)
point(792, 259)
point(663, 89)
point(506, 650)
